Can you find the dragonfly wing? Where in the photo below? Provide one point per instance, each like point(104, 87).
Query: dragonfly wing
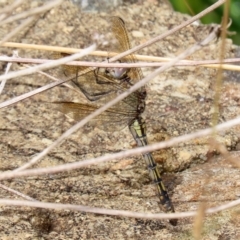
point(121, 35)
point(98, 86)
point(113, 119)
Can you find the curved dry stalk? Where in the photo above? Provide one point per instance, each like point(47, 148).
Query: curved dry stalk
point(199, 219)
point(16, 192)
point(28, 16)
point(168, 33)
point(10, 8)
point(141, 46)
point(16, 30)
point(111, 212)
point(34, 11)
point(49, 65)
point(123, 154)
point(54, 49)
point(54, 63)
point(38, 68)
point(15, 54)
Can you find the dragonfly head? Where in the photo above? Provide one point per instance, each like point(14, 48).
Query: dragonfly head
point(117, 73)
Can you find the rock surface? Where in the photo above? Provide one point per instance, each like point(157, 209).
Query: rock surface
point(179, 101)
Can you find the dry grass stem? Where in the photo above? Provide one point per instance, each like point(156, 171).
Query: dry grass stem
point(148, 43)
point(15, 54)
point(17, 193)
point(199, 220)
point(49, 65)
point(121, 213)
point(204, 63)
point(8, 9)
point(16, 30)
point(31, 12)
point(123, 154)
point(168, 33)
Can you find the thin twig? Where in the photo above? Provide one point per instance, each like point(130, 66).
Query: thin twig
point(31, 12)
point(32, 93)
point(15, 54)
point(65, 84)
point(16, 192)
point(158, 38)
point(6, 10)
point(38, 68)
point(203, 63)
point(54, 49)
point(10, 8)
point(49, 65)
point(199, 219)
point(168, 33)
point(17, 29)
point(111, 212)
point(123, 154)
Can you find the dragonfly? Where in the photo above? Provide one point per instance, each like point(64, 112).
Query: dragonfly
point(101, 85)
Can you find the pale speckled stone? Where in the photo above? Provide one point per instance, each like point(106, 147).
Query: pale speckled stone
point(137, 34)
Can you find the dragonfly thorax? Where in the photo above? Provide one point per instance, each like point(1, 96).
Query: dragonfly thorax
point(141, 100)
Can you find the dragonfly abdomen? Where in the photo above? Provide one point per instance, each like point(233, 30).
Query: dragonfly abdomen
point(138, 130)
